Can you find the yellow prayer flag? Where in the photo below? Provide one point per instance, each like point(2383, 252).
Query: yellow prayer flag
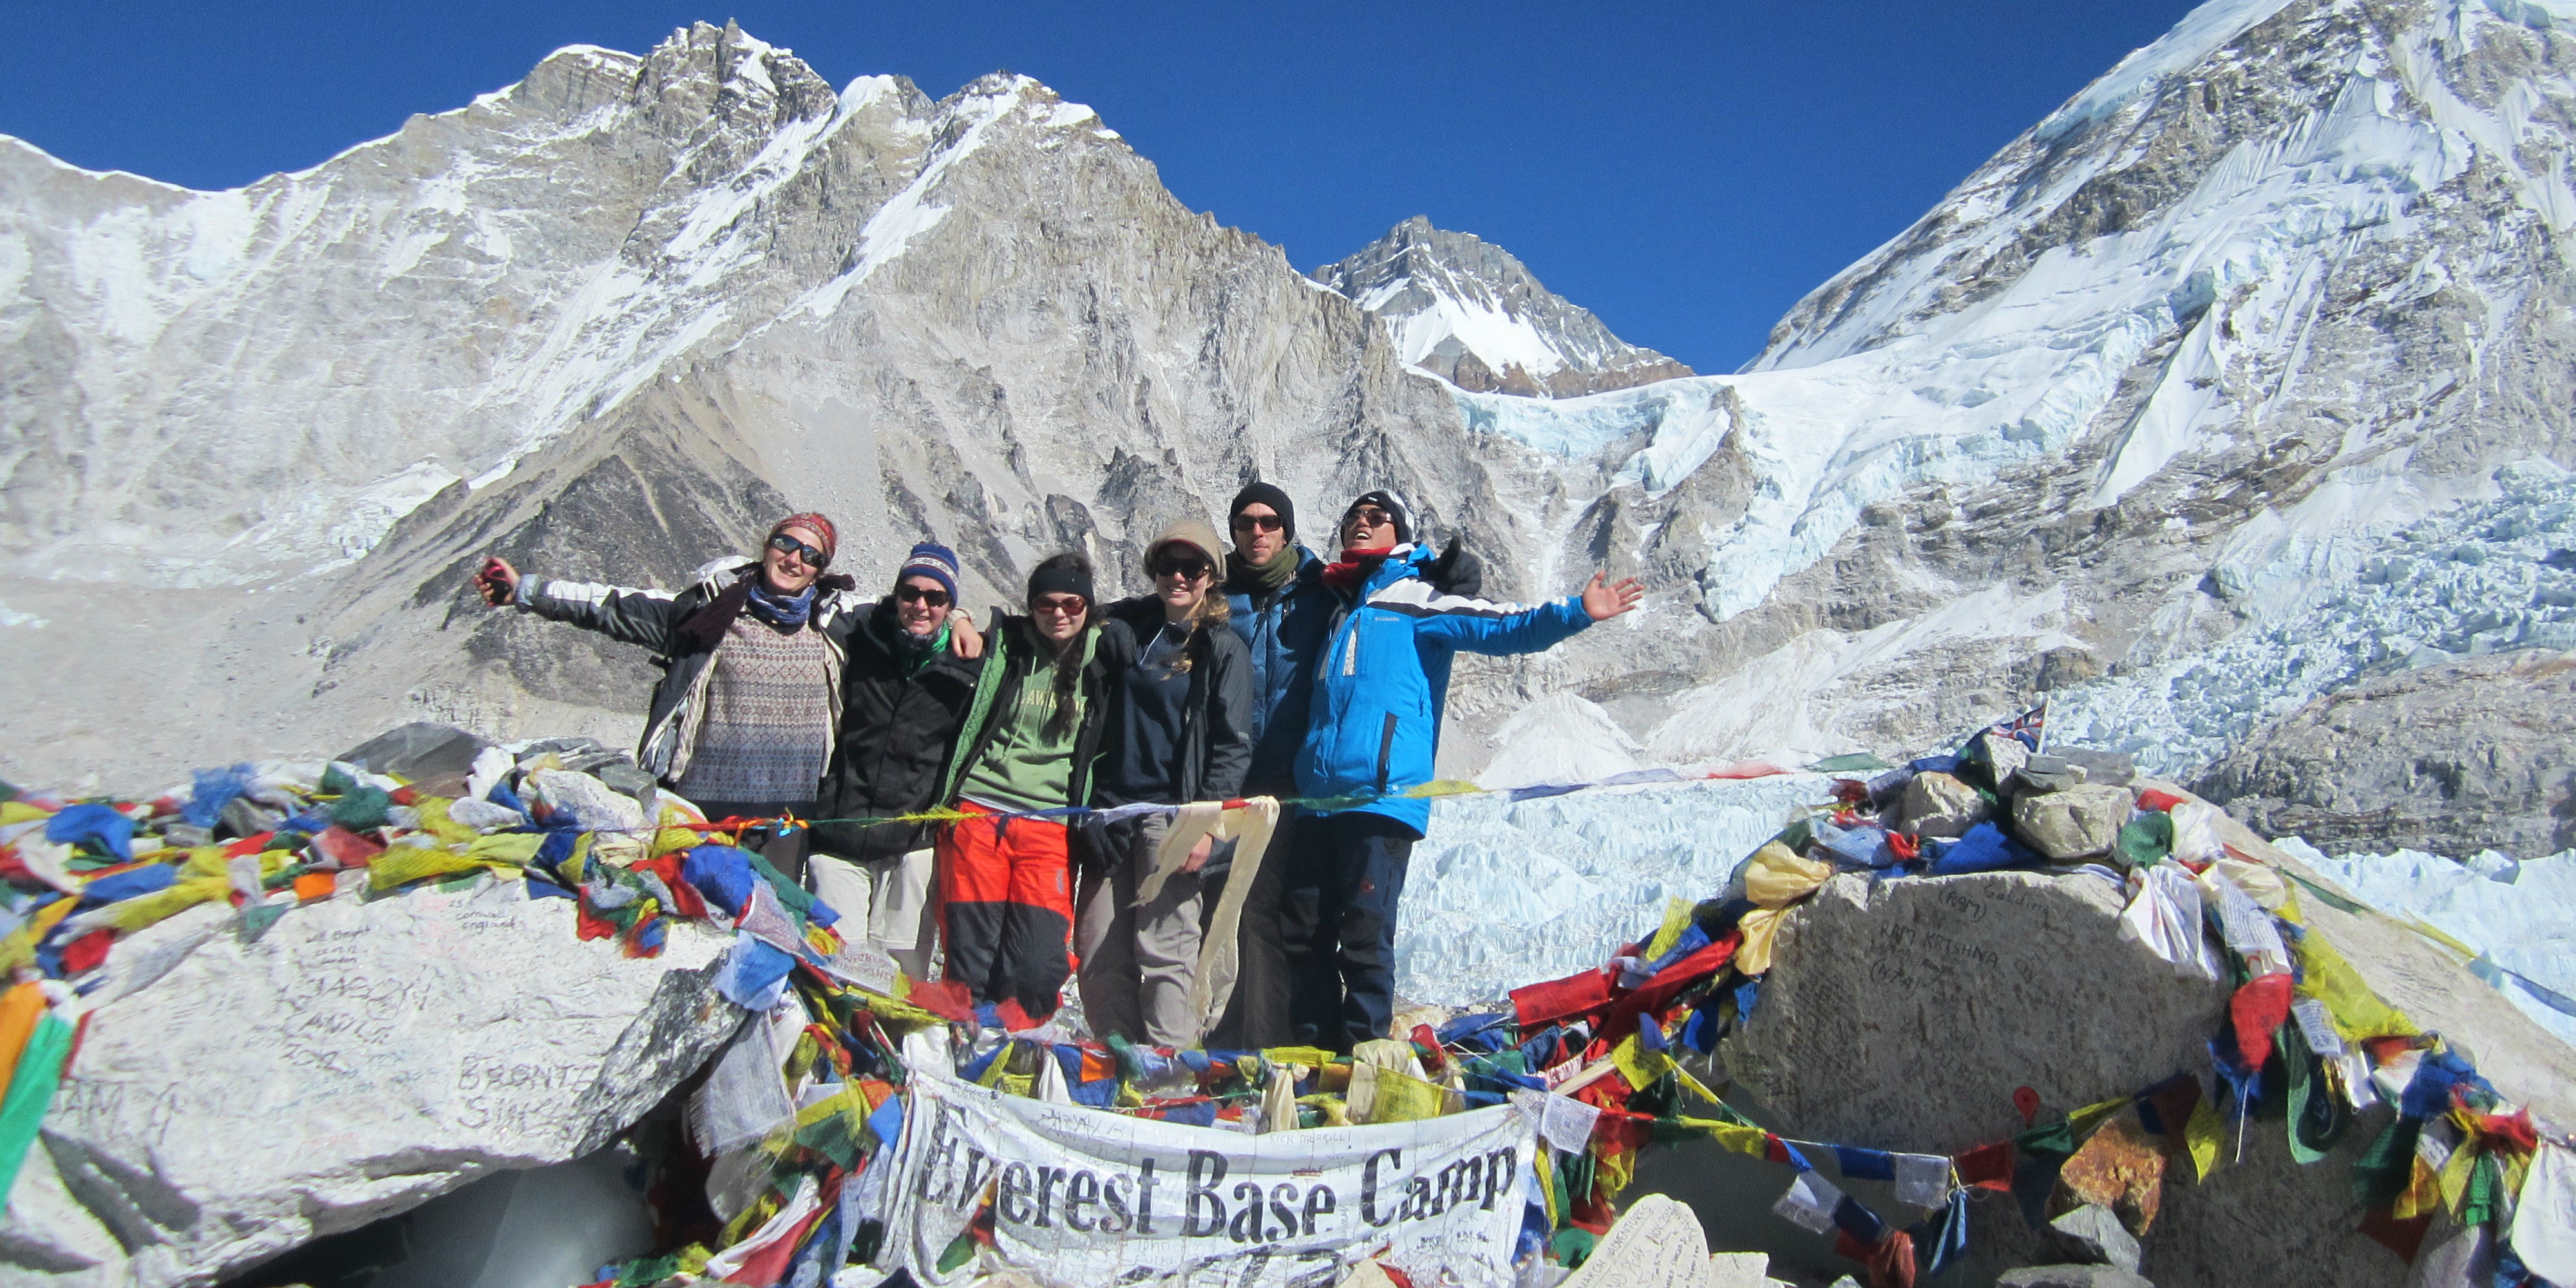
point(1638, 1065)
point(1677, 919)
point(2201, 1136)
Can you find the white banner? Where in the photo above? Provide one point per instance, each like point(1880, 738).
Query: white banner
point(1084, 1198)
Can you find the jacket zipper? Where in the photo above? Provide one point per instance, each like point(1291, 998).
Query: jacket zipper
point(1385, 752)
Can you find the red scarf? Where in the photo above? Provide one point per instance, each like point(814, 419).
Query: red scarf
point(1347, 576)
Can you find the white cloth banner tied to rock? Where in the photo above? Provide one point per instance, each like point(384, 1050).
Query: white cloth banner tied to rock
point(1081, 1197)
point(1249, 826)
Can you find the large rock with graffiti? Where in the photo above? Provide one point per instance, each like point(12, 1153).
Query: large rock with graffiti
point(1905, 1015)
point(234, 1097)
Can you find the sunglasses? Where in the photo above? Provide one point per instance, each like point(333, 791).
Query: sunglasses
point(787, 545)
point(1258, 523)
point(916, 595)
point(1189, 567)
point(1371, 517)
point(1060, 605)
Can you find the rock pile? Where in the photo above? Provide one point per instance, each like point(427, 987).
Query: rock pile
point(1987, 1010)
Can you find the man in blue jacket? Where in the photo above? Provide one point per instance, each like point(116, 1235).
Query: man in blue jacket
point(1275, 588)
point(1380, 685)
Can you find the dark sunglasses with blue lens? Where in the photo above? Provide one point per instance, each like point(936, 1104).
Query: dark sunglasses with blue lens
point(787, 545)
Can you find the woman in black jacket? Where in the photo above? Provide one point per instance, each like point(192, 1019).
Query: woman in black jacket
point(904, 690)
point(1179, 730)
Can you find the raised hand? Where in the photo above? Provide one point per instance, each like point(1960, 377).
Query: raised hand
point(1604, 599)
point(498, 581)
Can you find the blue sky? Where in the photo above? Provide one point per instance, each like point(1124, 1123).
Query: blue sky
point(1688, 171)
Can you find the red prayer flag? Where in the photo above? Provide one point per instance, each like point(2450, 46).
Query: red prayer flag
point(85, 953)
point(2258, 1009)
point(1561, 999)
point(1987, 1166)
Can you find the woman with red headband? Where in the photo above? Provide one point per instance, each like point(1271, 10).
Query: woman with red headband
point(743, 719)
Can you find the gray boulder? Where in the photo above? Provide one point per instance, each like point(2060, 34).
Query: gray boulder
point(2094, 1233)
point(1937, 804)
point(234, 1098)
point(2089, 1276)
point(2117, 768)
point(2003, 757)
point(2047, 773)
point(1900, 1015)
point(2075, 823)
point(435, 757)
point(2452, 759)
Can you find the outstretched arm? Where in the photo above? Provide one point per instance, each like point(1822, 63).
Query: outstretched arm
point(645, 617)
point(1477, 626)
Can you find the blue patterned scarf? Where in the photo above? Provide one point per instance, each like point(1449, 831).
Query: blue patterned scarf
point(786, 612)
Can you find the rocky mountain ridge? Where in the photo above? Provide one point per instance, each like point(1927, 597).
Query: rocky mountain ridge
point(1466, 311)
point(2169, 370)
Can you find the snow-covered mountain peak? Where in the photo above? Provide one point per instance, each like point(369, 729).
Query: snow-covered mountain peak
point(1465, 310)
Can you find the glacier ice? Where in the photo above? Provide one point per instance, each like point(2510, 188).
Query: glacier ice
point(2480, 578)
point(2513, 913)
point(1506, 893)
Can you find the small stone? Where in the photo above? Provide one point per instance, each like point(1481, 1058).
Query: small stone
point(1937, 804)
point(2072, 824)
point(625, 776)
point(2049, 774)
point(2094, 1232)
point(2117, 768)
point(2070, 1277)
point(416, 751)
point(243, 816)
point(2003, 756)
point(187, 836)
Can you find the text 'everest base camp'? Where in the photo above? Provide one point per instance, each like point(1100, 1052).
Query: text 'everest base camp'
point(2088, 794)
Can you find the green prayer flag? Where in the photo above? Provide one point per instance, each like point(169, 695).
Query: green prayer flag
point(2303, 1098)
point(256, 918)
point(2486, 1181)
point(2386, 1167)
point(31, 1089)
point(1857, 760)
point(2147, 838)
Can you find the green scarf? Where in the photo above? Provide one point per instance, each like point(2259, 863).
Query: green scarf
point(923, 650)
point(1244, 577)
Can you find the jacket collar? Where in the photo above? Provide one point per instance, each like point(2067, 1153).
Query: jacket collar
point(1404, 561)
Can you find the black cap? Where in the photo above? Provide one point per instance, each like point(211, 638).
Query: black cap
point(1391, 501)
point(1257, 493)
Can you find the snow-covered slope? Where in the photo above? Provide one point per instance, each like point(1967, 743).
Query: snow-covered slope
point(1465, 310)
point(2159, 378)
point(609, 322)
point(2155, 375)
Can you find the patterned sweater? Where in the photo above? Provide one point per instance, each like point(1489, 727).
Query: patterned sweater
point(767, 726)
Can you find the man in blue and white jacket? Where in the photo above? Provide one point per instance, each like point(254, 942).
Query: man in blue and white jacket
point(1381, 683)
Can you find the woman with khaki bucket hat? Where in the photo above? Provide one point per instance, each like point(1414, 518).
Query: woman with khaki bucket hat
point(1179, 730)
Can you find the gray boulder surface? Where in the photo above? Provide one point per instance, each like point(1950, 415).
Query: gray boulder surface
point(2097, 1237)
point(1901, 1015)
point(2450, 759)
point(2076, 823)
point(1938, 804)
point(233, 1099)
point(2073, 1276)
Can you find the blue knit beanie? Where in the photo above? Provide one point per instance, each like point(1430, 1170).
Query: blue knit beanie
point(933, 560)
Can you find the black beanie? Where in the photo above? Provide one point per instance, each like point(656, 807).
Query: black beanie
point(1065, 574)
point(1391, 501)
point(1268, 494)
